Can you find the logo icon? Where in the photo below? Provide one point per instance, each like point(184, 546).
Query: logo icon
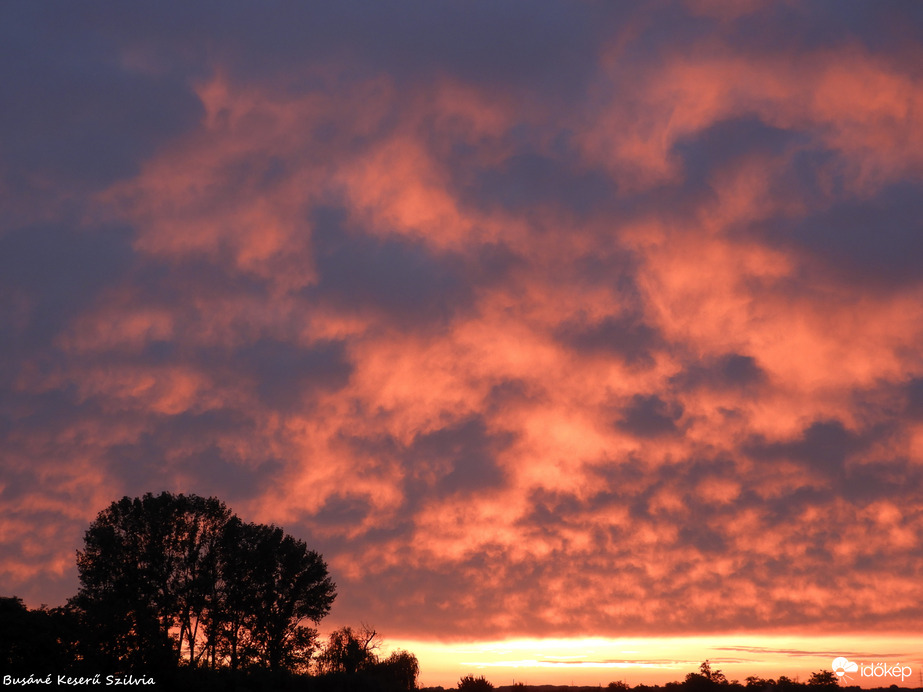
point(841, 666)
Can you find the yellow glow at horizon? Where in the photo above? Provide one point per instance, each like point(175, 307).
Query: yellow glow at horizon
point(596, 661)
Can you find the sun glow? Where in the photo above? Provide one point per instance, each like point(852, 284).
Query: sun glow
point(596, 661)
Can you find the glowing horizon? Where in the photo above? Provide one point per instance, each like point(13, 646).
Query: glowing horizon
point(595, 661)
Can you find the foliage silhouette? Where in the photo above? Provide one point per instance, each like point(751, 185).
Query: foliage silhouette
point(785, 683)
point(400, 670)
point(147, 567)
point(823, 678)
point(706, 679)
point(352, 655)
point(174, 578)
point(32, 641)
point(269, 583)
point(349, 651)
point(469, 683)
point(754, 681)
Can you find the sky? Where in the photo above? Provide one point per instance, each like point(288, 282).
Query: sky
point(542, 322)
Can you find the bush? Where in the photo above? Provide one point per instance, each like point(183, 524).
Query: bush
point(469, 683)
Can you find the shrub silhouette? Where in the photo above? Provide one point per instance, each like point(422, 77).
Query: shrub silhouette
point(824, 678)
point(706, 679)
point(469, 683)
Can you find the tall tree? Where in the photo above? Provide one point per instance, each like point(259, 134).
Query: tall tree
point(271, 584)
point(140, 573)
point(194, 556)
point(172, 578)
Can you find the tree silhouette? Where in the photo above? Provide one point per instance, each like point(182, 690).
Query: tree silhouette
point(706, 679)
point(715, 676)
point(824, 678)
point(400, 670)
point(349, 659)
point(144, 570)
point(172, 578)
point(270, 583)
point(33, 641)
point(349, 651)
point(469, 683)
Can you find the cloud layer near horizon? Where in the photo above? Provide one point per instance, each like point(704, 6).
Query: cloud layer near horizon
point(596, 320)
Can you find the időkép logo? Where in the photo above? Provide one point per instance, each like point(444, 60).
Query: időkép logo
point(842, 666)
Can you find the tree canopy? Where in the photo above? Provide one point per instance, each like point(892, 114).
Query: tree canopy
point(172, 578)
point(469, 683)
point(350, 652)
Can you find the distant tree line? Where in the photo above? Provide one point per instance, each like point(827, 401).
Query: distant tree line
point(706, 680)
point(176, 584)
point(712, 680)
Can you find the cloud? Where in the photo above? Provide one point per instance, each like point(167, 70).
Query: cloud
point(463, 457)
point(599, 321)
point(283, 371)
point(877, 238)
point(626, 336)
point(529, 180)
point(52, 272)
point(81, 117)
point(730, 371)
point(650, 416)
point(915, 397)
point(400, 278)
point(824, 445)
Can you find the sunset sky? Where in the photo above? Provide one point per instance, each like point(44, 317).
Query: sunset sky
point(568, 332)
